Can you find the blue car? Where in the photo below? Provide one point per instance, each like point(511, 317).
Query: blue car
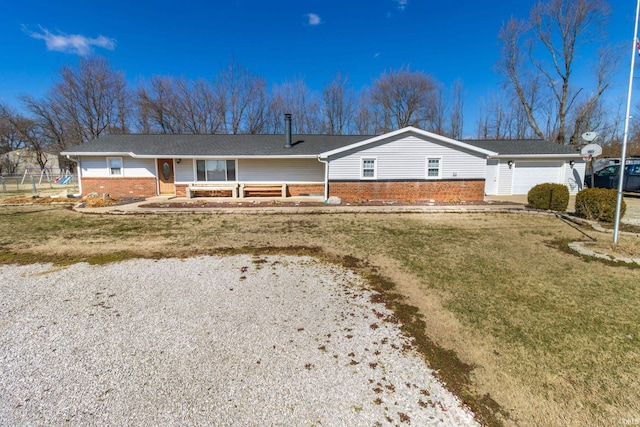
point(609, 177)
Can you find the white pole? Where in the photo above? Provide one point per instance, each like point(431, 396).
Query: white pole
point(623, 157)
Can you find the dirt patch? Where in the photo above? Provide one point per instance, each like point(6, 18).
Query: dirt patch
point(90, 202)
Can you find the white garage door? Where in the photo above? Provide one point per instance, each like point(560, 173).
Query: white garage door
point(529, 174)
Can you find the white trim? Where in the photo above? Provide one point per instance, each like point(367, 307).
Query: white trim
point(104, 153)
point(109, 167)
point(537, 156)
point(407, 130)
point(426, 169)
point(375, 168)
point(188, 156)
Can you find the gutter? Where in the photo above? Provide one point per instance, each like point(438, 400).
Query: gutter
point(189, 156)
point(537, 156)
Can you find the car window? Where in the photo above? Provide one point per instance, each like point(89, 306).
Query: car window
point(609, 170)
point(634, 170)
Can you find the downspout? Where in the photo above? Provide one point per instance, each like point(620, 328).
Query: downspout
point(326, 178)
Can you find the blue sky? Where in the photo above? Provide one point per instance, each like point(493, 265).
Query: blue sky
point(278, 40)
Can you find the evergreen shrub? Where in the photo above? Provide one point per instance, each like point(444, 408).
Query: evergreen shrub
point(549, 196)
point(599, 204)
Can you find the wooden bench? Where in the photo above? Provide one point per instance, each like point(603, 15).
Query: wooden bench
point(194, 188)
point(266, 190)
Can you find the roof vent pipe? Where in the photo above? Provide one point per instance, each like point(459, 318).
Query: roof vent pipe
point(287, 130)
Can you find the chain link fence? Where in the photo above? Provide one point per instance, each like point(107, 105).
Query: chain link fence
point(31, 185)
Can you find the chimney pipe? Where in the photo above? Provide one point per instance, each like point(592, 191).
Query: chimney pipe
point(287, 130)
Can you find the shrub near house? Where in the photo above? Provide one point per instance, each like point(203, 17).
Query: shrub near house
point(549, 196)
point(599, 204)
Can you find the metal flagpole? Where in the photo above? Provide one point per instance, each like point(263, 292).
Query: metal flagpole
point(623, 157)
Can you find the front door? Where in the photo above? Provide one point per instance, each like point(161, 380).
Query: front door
point(165, 176)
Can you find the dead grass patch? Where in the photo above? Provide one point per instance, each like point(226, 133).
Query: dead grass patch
point(90, 202)
point(627, 247)
point(22, 200)
point(527, 333)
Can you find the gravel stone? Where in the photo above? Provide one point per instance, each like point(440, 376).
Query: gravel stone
point(228, 341)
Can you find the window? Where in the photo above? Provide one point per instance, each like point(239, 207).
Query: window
point(609, 170)
point(433, 168)
point(368, 169)
point(216, 170)
point(115, 166)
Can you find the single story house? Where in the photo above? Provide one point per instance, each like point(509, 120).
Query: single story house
point(406, 164)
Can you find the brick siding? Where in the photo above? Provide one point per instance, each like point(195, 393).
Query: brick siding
point(304, 189)
point(181, 190)
point(442, 190)
point(120, 187)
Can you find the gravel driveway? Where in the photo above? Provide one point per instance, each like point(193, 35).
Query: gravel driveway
point(231, 341)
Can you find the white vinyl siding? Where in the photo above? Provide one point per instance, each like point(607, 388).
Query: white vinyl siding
point(280, 170)
point(574, 177)
point(405, 158)
point(505, 182)
point(98, 167)
point(493, 175)
point(185, 171)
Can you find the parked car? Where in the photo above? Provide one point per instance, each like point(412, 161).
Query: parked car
point(609, 177)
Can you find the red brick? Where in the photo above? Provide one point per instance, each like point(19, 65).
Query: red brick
point(459, 190)
point(120, 187)
point(299, 189)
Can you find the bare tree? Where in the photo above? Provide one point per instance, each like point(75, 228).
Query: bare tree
point(538, 57)
point(55, 130)
point(93, 98)
point(87, 102)
point(157, 104)
point(404, 98)
point(244, 97)
point(365, 118)
point(21, 132)
point(338, 105)
point(457, 110)
point(174, 106)
point(294, 97)
point(10, 141)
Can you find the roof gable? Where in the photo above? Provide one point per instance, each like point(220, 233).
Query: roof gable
point(410, 130)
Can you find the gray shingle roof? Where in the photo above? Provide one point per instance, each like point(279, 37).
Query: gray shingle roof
point(273, 145)
point(506, 147)
point(214, 145)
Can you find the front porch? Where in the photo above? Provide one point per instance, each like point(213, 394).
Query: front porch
point(246, 190)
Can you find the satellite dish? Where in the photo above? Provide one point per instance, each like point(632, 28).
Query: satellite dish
point(589, 136)
point(593, 150)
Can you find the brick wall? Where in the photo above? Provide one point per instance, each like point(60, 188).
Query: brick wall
point(441, 190)
point(120, 187)
point(306, 189)
point(181, 190)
